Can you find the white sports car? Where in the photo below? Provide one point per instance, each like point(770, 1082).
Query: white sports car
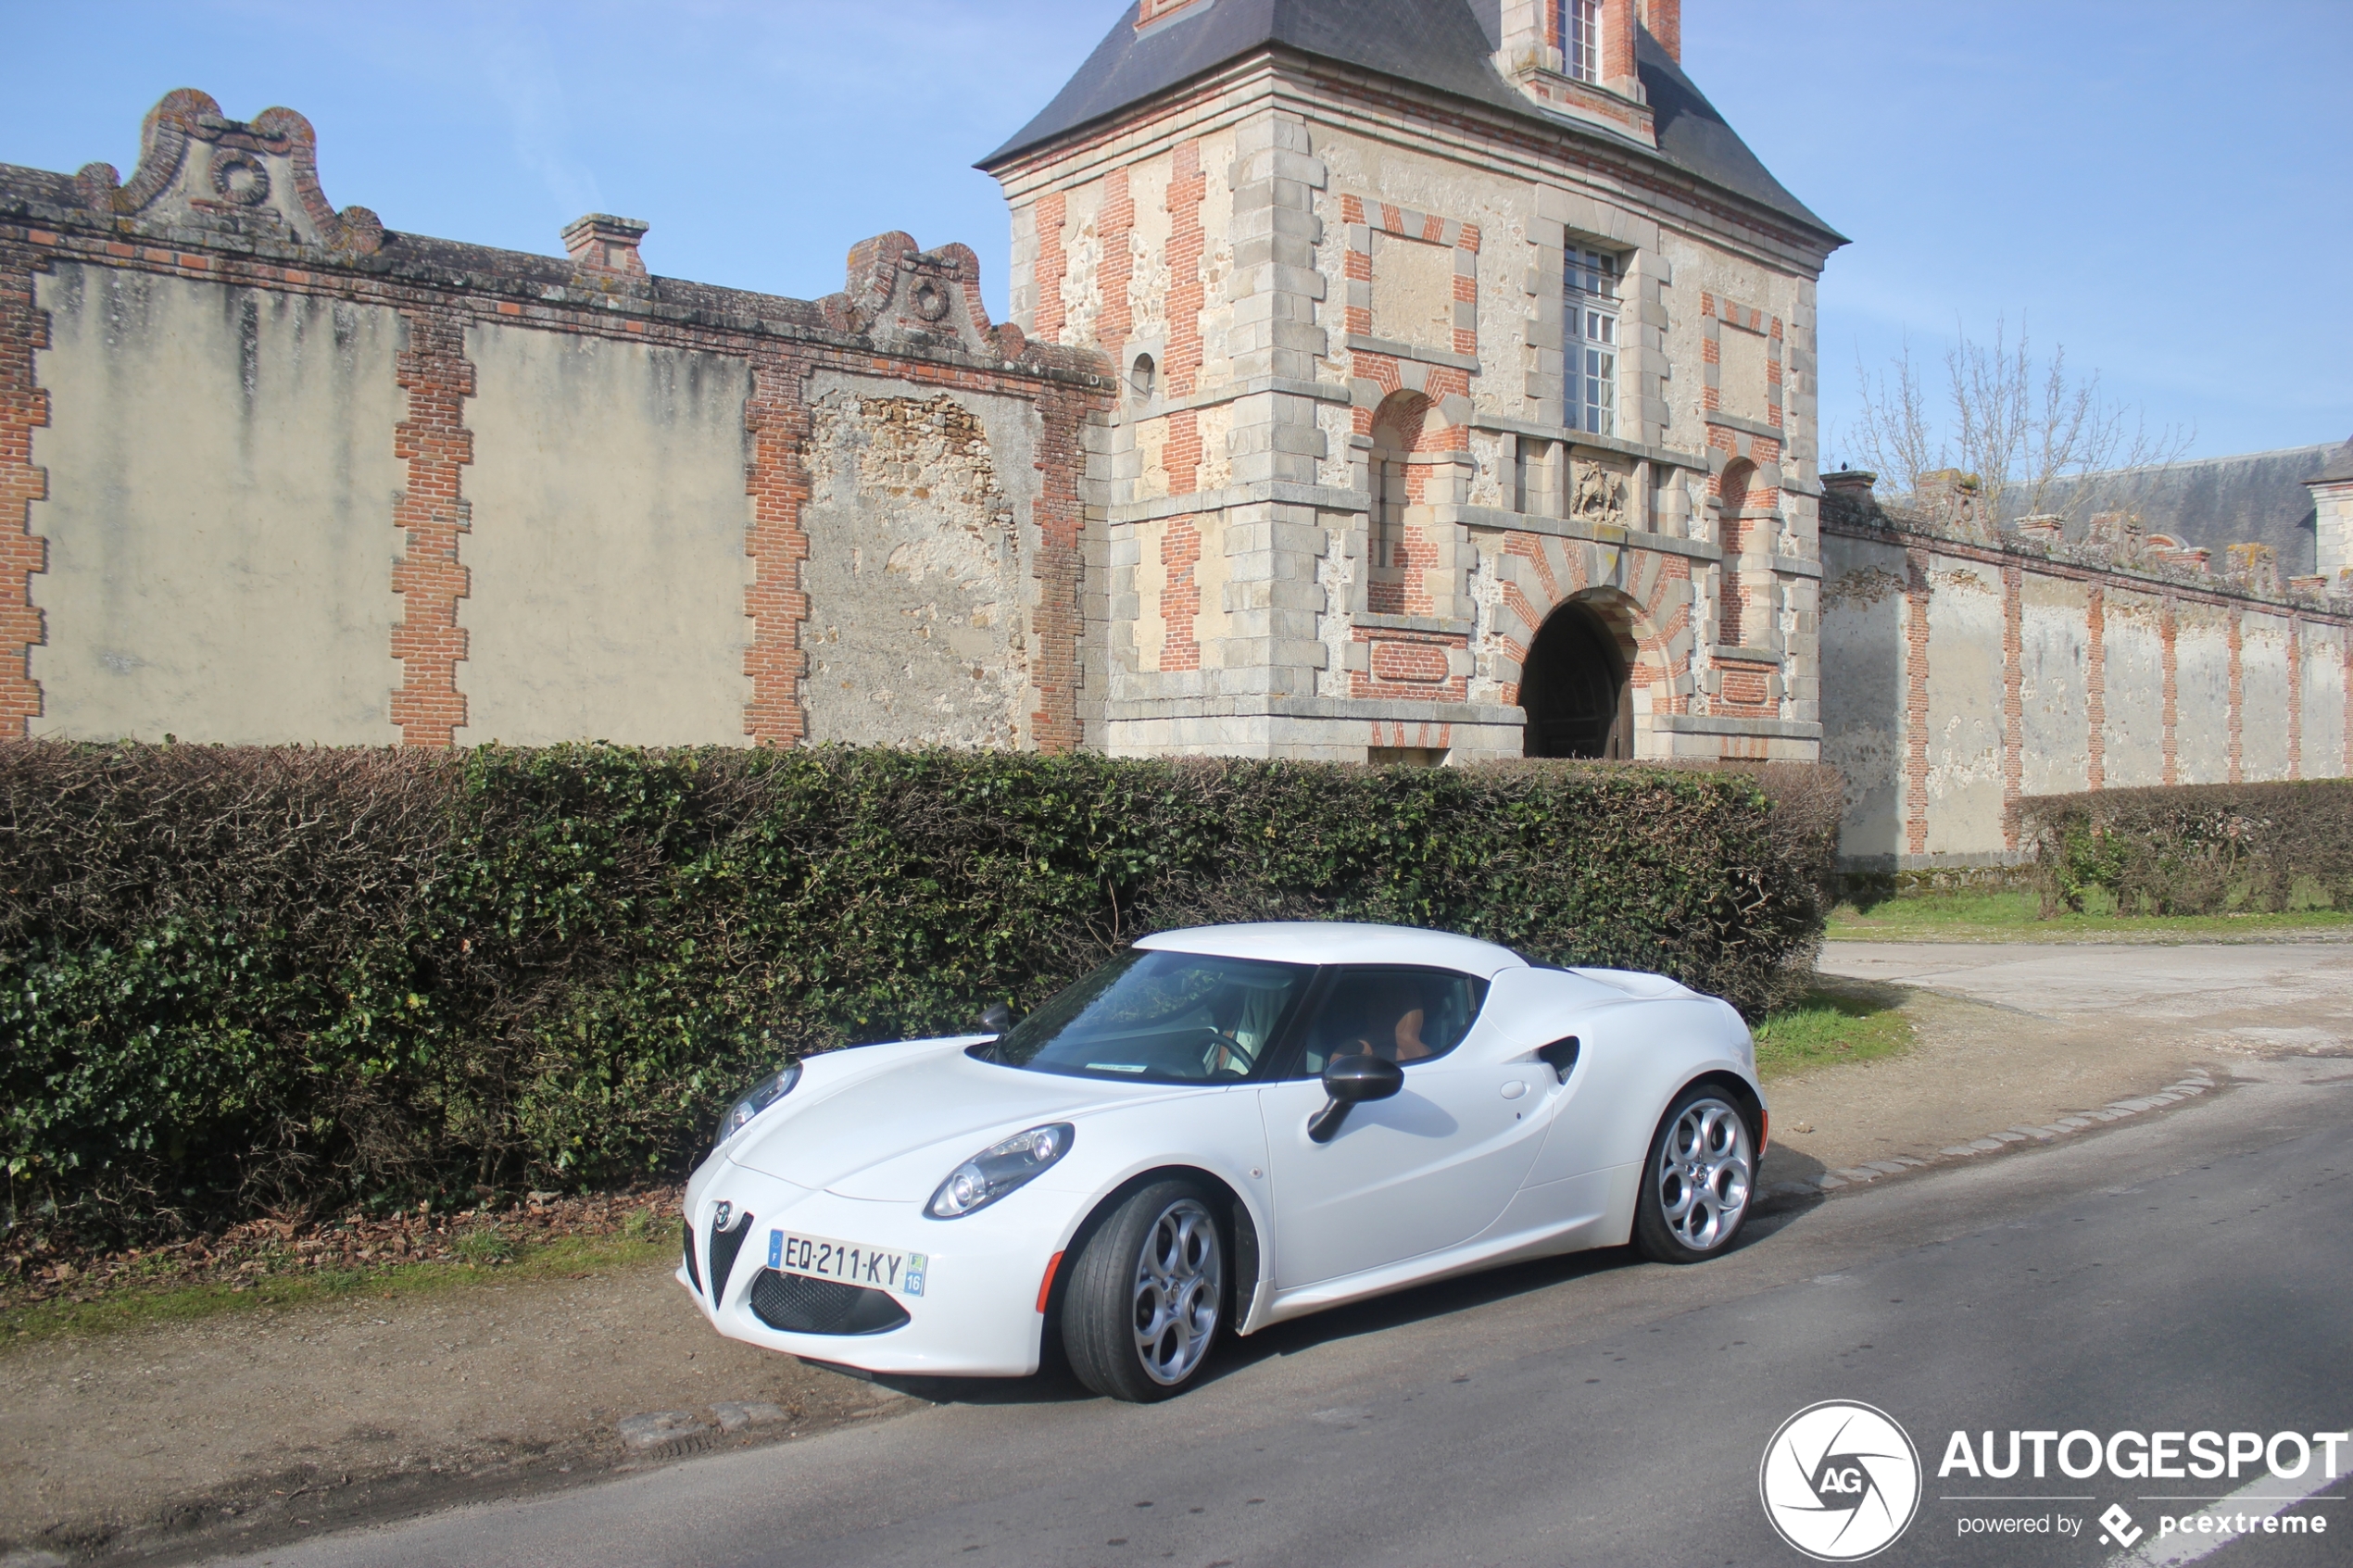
point(1221, 1128)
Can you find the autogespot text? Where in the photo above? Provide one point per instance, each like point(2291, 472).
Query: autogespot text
point(2154, 1456)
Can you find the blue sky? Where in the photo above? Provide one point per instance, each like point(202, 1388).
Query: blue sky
point(2159, 186)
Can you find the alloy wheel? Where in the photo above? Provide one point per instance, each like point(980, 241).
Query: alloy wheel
point(1179, 1283)
point(1703, 1174)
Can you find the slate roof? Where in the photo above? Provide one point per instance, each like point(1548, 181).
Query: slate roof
point(2339, 466)
point(2258, 497)
point(1447, 45)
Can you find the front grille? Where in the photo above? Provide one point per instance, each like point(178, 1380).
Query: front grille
point(694, 1274)
point(724, 1245)
point(797, 1304)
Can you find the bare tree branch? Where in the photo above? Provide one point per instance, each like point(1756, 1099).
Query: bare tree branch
point(2037, 439)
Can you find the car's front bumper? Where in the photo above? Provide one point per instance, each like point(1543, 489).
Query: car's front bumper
point(977, 1315)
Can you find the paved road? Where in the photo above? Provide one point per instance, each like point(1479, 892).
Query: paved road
point(2184, 1272)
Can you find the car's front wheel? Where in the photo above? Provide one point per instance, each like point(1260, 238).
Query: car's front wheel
point(1697, 1180)
point(1147, 1295)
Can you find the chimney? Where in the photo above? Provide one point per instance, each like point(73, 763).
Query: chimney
point(1663, 19)
point(1150, 11)
point(604, 245)
point(1618, 49)
point(2044, 529)
point(1852, 485)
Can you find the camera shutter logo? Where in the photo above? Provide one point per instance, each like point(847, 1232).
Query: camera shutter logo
point(1839, 1481)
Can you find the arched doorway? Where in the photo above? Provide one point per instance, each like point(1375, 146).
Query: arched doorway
point(1573, 689)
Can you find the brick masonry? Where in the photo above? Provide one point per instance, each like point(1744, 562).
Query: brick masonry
point(2095, 692)
point(2295, 697)
point(431, 514)
point(2238, 699)
point(2168, 632)
point(24, 408)
point(2013, 703)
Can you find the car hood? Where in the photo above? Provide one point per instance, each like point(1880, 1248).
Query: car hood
point(893, 1125)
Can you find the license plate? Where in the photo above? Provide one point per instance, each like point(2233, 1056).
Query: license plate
point(848, 1262)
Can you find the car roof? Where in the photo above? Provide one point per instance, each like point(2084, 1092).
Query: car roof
point(1337, 942)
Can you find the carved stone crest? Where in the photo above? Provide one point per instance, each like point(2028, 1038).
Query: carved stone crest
point(900, 292)
point(1597, 495)
point(258, 178)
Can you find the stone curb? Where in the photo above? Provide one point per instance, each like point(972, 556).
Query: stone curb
point(2018, 1137)
point(675, 1433)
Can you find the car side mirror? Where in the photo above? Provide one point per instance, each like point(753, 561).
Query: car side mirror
point(1349, 1081)
point(996, 1017)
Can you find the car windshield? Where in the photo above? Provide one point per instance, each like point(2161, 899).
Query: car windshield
point(1162, 1018)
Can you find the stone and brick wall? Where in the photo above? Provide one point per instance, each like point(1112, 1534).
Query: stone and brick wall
point(1965, 668)
point(272, 473)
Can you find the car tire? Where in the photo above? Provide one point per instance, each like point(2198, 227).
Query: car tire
point(1147, 1296)
point(1697, 1180)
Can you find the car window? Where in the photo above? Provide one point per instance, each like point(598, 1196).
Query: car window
point(1401, 1015)
point(1158, 1017)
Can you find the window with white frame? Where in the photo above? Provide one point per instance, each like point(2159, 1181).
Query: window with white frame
point(1578, 25)
point(1590, 316)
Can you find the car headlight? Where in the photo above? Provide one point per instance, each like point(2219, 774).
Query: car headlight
point(999, 1169)
point(757, 1098)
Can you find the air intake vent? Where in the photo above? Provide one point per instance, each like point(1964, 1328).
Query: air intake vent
point(797, 1304)
point(724, 1245)
point(694, 1274)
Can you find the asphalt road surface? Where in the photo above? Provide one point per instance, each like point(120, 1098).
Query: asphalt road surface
point(2184, 1271)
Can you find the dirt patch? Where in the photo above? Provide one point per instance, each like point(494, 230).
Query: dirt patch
point(1972, 1068)
point(275, 1423)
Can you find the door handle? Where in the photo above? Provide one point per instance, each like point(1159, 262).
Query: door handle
point(1560, 1056)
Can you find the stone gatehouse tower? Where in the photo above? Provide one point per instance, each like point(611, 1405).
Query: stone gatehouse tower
point(1465, 384)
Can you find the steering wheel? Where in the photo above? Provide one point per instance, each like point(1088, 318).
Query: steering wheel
point(1227, 1054)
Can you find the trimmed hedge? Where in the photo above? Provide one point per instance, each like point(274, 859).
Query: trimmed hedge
point(255, 980)
point(2195, 849)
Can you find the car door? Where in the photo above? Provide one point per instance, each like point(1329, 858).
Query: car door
point(1425, 1170)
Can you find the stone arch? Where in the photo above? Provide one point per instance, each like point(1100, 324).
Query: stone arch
point(1639, 603)
point(1577, 683)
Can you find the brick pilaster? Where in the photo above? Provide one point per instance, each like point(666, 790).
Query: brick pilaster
point(1180, 596)
point(2294, 696)
point(1186, 188)
point(2095, 692)
point(1117, 227)
point(1046, 322)
point(1915, 702)
point(430, 513)
point(776, 416)
point(2168, 632)
point(2238, 699)
point(2013, 702)
point(24, 409)
point(1059, 623)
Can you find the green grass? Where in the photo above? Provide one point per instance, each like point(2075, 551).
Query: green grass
point(139, 1307)
point(2016, 917)
point(1832, 1026)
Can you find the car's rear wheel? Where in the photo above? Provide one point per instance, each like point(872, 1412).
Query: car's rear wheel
point(1147, 1295)
point(1697, 1180)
